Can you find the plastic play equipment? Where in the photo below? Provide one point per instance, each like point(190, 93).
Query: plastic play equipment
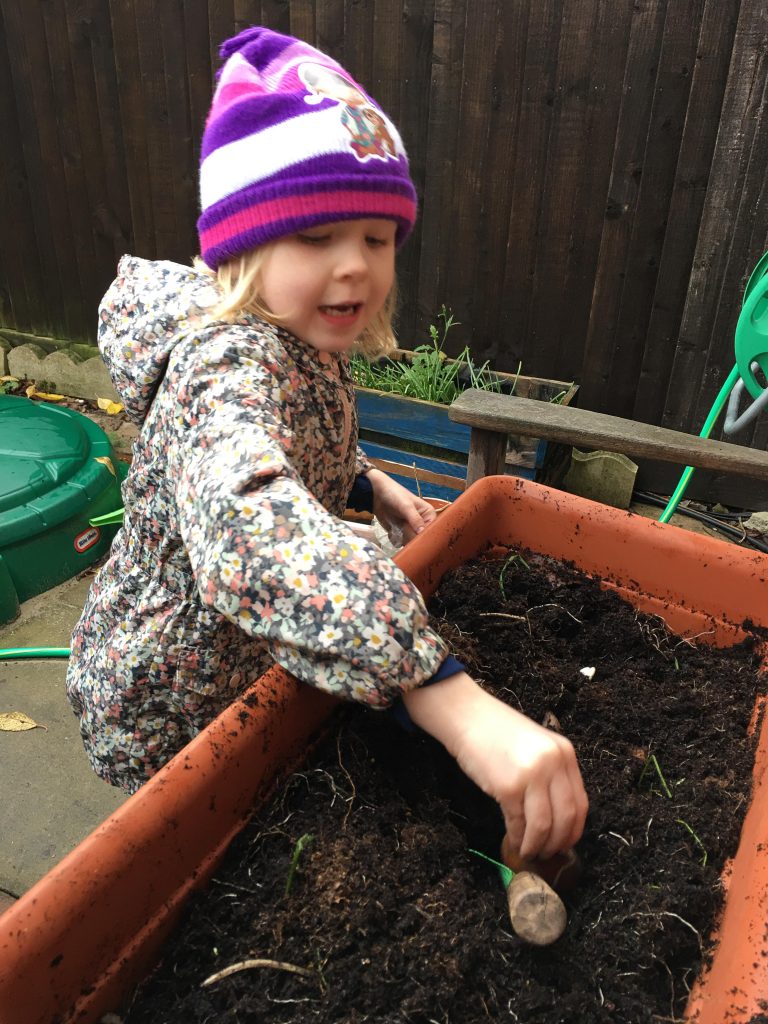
point(751, 349)
point(57, 470)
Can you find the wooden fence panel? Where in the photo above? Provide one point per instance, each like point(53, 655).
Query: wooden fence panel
point(590, 172)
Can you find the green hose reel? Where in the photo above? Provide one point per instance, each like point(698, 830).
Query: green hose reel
point(751, 350)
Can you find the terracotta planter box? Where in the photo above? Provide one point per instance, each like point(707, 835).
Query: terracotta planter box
point(415, 441)
point(80, 939)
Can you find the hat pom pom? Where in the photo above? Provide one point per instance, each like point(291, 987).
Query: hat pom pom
point(236, 43)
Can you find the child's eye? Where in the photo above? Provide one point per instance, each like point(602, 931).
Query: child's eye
point(376, 243)
point(312, 239)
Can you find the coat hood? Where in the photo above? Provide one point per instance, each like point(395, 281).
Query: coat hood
point(148, 309)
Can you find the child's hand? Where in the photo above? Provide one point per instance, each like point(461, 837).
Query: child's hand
point(396, 508)
point(531, 771)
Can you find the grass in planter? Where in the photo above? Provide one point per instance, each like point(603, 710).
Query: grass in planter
point(389, 919)
point(429, 376)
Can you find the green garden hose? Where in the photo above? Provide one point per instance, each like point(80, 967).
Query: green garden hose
point(706, 430)
point(33, 652)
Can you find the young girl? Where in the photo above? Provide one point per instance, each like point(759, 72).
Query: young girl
point(232, 555)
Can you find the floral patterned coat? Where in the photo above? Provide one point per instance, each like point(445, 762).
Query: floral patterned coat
point(231, 556)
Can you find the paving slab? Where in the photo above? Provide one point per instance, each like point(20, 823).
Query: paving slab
point(50, 799)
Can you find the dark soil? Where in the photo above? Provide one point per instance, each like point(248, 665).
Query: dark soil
point(399, 924)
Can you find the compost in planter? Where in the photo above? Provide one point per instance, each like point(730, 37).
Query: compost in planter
point(387, 916)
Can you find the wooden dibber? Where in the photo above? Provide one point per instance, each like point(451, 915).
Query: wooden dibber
point(535, 910)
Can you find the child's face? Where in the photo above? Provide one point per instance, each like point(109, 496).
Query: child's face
point(327, 283)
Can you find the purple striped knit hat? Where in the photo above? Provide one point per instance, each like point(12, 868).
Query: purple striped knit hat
point(292, 141)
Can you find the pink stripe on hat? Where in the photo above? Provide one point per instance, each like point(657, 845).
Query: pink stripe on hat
point(338, 205)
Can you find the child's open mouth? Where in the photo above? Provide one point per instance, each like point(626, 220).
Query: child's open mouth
point(344, 312)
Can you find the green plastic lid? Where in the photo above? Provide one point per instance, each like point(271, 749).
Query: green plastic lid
point(53, 463)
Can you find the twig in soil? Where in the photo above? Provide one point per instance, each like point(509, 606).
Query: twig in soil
point(350, 799)
point(247, 965)
point(670, 913)
point(536, 607)
point(617, 836)
point(501, 615)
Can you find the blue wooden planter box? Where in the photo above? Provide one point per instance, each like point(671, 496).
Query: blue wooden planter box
point(415, 442)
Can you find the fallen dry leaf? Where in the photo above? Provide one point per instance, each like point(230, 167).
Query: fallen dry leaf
point(17, 721)
point(109, 407)
point(32, 392)
point(105, 459)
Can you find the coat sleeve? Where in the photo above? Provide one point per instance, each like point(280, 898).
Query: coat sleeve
point(362, 462)
point(266, 554)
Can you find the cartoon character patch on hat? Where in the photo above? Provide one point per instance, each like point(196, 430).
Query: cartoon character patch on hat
point(366, 126)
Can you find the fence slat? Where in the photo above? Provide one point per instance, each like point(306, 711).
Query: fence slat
point(710, 73)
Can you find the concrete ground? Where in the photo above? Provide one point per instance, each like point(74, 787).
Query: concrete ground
point(49, 797)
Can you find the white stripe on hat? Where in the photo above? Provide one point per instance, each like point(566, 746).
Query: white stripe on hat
point(255, 157)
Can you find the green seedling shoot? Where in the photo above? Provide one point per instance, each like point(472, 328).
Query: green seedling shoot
point(509, 561)
point(303, 841)
point(657, 767)
point(695, 839)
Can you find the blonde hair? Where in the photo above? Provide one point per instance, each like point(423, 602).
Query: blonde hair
point(239, 281)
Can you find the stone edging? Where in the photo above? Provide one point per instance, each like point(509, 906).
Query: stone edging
point(67, 373)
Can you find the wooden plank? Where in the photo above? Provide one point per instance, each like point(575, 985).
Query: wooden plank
point(22, 292)
point(384, 83)
point(742, 101)
point(610, 39)
point(358, 42)
point(163, 172)
point(200, 72)
point(469, 177)
point(30, 74)
point(222, 23)
point(673, 84)
point(493, 225)
point(442, 148)
point(302, 20)
point(567, 162)
point(414, 469)
point(487, 454)
point(329, 26)
point(112, 208)
point(430, 477)
point(416, 24)
point(506, 414)
point(710, 73)
point(527, 174)
point(182, 159)
point(623, 191)
point(67, 39)
point(275, 14)
point(410, 419)
point(135, 142)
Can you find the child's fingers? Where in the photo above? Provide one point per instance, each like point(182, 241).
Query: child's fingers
point(538, 820)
